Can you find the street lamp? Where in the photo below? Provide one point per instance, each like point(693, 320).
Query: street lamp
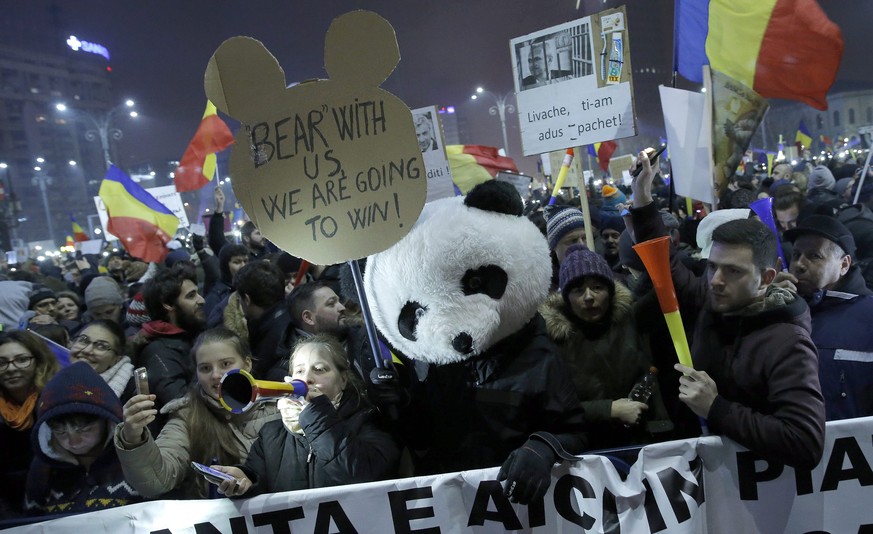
point(500, 108)
point(100, 124)
point(43, 180)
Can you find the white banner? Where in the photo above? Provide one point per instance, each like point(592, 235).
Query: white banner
point(688, 142)
point(166, 195)
point(691, 486)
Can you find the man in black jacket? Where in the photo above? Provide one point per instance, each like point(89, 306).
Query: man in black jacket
point(261, 288)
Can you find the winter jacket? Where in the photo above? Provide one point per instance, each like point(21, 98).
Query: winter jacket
point(57, 482)
point(763, 362)
point(841, 333)
point(216, 302)
point(265, 336)
point(14, 462)
point(161, 465)
point(168, 361)
point(472, 414)
point(605, 362)
point(339, 446)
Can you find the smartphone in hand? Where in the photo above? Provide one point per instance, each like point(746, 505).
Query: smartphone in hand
point(212, 475)
point(141, 380)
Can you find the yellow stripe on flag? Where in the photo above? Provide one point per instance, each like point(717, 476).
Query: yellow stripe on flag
point(736, 30)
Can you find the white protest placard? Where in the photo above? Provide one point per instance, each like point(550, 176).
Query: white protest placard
point(573, 83)
point(329, 170)
point(688, 139)
point(166, 195)
point(433, 151)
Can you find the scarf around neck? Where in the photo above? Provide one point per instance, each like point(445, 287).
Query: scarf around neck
point(118, 375)
point(19, 417)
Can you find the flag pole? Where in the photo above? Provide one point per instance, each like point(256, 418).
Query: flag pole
point(863, 175)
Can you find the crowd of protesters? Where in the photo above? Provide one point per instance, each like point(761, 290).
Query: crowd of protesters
point(777, 348)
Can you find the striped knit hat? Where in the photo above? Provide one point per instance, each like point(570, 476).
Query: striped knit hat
point(561, 220)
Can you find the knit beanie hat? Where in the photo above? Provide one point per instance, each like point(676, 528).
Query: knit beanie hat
point(560, 220)
point(103, 290)
point(611, 222)
point(38, 293)
point(74, 389)
point(821, 176)
point(613, 194)
point(579, 263)
point(175, 256)
point(137, 314)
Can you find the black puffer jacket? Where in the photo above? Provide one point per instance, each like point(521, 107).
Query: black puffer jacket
point(344, 446)
point(472, 414)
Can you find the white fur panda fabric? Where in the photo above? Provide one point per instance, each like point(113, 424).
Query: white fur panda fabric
point(460, 281)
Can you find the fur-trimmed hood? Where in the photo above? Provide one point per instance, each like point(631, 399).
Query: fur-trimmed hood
point(558, 315)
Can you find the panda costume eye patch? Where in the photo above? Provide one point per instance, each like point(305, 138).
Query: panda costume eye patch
point(488, 280)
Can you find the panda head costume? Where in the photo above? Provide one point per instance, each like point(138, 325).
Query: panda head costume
point(471, 272)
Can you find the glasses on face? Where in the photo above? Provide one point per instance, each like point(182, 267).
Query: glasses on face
point(82, 341)
point(21, 362)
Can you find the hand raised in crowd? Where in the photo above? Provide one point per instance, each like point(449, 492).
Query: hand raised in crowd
point(42, 319)
point(233, 488)
point(696, 389)
point(139, 411)
point(627, 411)
point(642, 183)
point(785, 280)
point(219, 199)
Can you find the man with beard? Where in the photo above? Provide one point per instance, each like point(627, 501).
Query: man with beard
point(261, 289)
point(176, 310)
point(252, 239)
point(823, 272)
point(755, 376)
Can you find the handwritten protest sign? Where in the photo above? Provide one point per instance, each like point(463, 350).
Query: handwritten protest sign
point(573, 83)
point(329, 170)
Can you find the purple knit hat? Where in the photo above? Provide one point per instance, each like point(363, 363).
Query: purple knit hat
point(579, 263)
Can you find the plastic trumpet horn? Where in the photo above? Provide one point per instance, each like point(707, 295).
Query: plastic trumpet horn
point(239, 391)
point(655, 254)
point(763, 208)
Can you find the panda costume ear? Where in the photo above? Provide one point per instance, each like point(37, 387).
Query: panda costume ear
point(492, 195)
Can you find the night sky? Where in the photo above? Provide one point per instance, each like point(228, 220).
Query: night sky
point(160, 50)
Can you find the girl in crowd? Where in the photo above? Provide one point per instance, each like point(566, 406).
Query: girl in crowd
point(26, 365)
point(68, 310)
point(593, 322)
point(101, 345)
point(330, 438)
point(74, 468)
point(199, 428)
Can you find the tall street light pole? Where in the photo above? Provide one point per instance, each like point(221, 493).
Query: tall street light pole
point(13, 207)
point(101, 128)
point(43, 180)
point(500, 108)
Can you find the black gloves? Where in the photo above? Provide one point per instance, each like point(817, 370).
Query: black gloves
point(527, 472)
point(385, 389)
point(197, 242)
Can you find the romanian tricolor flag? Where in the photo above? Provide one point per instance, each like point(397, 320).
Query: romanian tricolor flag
point(779, 48)
point(197, 166)
point(802, 138)
point(78, 233)
point(473, 164)
point(603, 152)
point(827, 142)
point(143, 225)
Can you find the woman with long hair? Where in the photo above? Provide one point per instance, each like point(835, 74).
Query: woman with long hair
point(331, 437)
point(199, 429)
point(26, 365)
point(101, 345)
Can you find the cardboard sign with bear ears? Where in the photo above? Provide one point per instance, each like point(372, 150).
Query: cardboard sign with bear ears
point(328, 170)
